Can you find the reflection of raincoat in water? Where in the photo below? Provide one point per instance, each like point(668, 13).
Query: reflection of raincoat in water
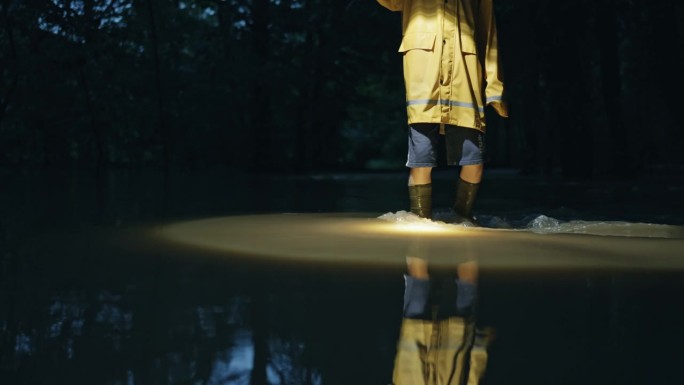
point(445, 352)
point(438, 342)
point(451, 67)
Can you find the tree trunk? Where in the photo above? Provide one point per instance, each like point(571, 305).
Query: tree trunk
point(260, 99)
point(13, 67)
point(259, 321)
point(236, 125)
point(94, 125)
point(309, 87)
point(612, 94)
point(161, 133)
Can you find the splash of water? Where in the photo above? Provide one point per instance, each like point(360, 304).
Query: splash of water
point(543, 224)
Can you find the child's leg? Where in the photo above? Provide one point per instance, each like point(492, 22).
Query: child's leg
point(465, 147)
point(422, 157)
point(472, 173)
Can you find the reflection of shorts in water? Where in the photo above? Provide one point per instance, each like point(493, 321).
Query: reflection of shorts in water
point(450, 297)
point(464, 146)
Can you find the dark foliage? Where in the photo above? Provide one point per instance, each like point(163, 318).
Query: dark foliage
point(302, 85)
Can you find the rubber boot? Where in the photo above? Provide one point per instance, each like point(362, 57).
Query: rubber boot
point(420, 196)
point(466, 193)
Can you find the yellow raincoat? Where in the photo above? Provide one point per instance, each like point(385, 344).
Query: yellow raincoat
point(445, 352)
point(451, 66)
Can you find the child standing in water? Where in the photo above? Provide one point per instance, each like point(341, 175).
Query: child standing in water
point(451, 71)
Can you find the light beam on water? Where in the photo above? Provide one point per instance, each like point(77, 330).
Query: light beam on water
point(366, 239)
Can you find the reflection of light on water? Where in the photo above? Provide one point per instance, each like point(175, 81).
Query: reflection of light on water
point(358, 239)
point(417, 228)
point(410, 224)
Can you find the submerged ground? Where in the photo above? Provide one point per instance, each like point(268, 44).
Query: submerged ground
point(87, 297)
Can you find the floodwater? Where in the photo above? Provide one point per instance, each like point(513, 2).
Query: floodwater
point(217, 278)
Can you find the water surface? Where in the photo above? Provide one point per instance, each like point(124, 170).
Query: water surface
point(303, 284)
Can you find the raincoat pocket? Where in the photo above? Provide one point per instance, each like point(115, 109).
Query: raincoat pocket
point(468, 45)
point(418, 40)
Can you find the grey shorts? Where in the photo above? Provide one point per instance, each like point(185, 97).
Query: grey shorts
point(464, 146)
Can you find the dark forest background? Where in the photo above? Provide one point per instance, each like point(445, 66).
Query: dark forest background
point(594, 86)
point(309, 86)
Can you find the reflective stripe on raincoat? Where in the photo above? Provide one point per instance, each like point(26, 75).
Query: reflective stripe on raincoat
point(451, 66)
